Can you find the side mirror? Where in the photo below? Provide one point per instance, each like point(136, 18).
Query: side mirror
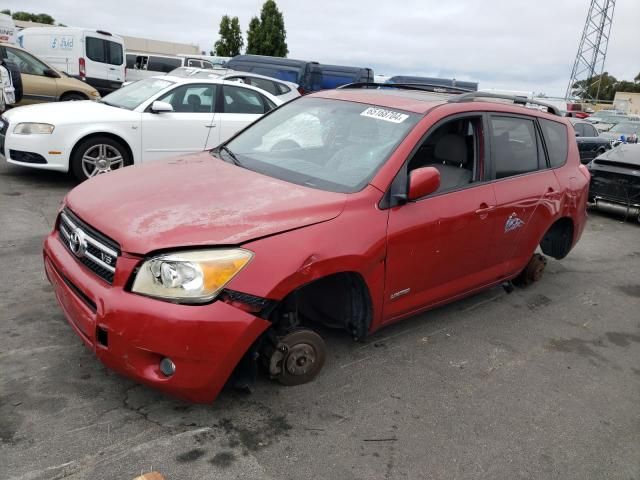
point(161, 107)
point(422, 182)
point(49, 72)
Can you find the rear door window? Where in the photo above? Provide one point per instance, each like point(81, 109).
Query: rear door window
point(263, 84)
point(103, 51)
point(579, 128)
point(514, 146)
point(555, 138)
point(243, 100)
point(589, 130)
point(194, 63)
point(131, 61)
point(163, 64)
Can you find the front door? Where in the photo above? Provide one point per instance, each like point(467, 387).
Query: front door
point(437, 247)
point(190, 128)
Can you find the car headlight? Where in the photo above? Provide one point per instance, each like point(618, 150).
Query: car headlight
point(191, 276)
point(33, 128)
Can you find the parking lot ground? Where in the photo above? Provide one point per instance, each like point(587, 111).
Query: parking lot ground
point(542, 383)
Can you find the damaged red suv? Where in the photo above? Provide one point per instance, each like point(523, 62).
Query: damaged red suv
point(352, 209)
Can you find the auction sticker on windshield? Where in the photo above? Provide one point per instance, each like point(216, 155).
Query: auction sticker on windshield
point(384, 114)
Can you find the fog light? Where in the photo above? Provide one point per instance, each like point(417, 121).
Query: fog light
point(167, 366)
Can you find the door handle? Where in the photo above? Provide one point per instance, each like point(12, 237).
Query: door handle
point(484, 208)
point(209, 126)
point(550, 193)
point(111, 68)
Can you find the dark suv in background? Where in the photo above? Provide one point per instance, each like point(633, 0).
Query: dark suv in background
point(310, 76)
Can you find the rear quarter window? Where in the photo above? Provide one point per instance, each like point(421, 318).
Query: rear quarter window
point(555, 137)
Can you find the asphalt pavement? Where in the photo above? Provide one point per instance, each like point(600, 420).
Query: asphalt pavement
point(542, 383)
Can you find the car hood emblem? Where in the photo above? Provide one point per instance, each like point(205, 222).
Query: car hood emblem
point(77, 243)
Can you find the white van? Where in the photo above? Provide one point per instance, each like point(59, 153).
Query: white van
point(142, 65)
point(93, 56)
point(7, 29)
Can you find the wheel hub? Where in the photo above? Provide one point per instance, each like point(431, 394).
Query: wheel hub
point(300, 359)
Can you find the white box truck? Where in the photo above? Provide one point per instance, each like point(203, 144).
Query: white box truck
point(7, 29)
point(93, 56)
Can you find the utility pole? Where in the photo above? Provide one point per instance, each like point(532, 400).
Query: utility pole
point(592, 50)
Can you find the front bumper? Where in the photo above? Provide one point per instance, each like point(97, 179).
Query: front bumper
point(131, 333)
point(40, 145)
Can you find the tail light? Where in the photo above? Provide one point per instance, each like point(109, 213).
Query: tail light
point(301, 90)
point(82, 68)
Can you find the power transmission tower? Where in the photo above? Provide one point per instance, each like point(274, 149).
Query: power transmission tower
point(592, 50)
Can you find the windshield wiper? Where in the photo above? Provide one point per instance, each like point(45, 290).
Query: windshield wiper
point(232, 155)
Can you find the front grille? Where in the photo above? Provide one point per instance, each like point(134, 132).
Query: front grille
point(91, 248)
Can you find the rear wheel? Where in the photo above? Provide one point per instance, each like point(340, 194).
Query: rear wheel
point(98, 155)
point(532, 272)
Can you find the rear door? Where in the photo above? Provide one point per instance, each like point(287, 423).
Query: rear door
point(190, 128)
point(240, 107)
point(105, 63)
point(527, 191)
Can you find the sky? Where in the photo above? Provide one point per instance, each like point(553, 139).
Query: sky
point(504, 44)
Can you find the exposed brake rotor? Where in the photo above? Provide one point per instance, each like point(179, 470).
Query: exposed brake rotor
point(298, 357)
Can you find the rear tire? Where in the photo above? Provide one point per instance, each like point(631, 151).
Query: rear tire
point(98, 155)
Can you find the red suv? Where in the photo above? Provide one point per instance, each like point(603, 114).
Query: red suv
point(351, 209)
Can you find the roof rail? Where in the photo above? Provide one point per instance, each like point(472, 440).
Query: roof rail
point(424, 87)
point(471, 96)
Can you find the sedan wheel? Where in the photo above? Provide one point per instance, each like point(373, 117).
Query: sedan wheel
point(98, 155)
point(101, 158)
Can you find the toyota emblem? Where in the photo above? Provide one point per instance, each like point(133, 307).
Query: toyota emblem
point(77, 243)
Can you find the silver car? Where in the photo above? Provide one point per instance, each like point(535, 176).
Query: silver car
point(282, 89)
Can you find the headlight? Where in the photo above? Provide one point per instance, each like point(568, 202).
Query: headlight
point(191, 276)
point(33, 128)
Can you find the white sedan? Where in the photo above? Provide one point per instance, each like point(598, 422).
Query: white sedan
point(150, 119)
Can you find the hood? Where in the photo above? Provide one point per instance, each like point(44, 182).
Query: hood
point(196, 200)
point(67, 113)
point(623, 156)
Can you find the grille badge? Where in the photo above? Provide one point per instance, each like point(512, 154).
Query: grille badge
point(78, 243)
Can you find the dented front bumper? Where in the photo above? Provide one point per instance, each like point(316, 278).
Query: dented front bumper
point(131, 334)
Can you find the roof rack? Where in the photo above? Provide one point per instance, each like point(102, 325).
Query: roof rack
point(471, 96)
point(424, 87)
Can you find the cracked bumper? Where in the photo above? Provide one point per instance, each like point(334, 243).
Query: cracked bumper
point(130, 333)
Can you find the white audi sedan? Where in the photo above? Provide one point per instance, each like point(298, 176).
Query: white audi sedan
point(147, 120)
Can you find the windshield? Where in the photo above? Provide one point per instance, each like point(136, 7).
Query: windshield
point(627, 128)
point(130, 96)
point(327, 144)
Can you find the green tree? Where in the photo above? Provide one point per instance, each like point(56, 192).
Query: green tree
point(33, 17)
point(637, 79)
point(231, 42)
point(267, 35)
point(609, 85)
point(44, 18)
point(6, 11)
point(253, 34)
